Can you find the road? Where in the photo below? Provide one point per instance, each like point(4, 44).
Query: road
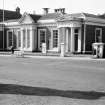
point(61, 74)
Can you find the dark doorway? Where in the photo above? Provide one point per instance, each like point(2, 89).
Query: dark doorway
point(76, 42)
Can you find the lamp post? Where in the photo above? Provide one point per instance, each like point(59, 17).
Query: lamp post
point(3, 25)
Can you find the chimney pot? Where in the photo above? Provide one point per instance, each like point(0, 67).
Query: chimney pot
point(18, 10)
point(46, 11)
point(60, 10)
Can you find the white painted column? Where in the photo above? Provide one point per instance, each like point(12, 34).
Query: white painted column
point(63, 42)
point(21, 39)
point(72, 39)
point(67, 43)
point(34, 38)
point(26, 38)
point(31, 39)
point(59, 35)
point(84, 44)
point(17, 40)
point(7, 39)
point(51, 39)
point(79, 40)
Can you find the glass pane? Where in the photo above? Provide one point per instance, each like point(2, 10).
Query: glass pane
point(42, 37)
point(76, 31)
point(98, 36)
point(10, 40)
point(55, 38)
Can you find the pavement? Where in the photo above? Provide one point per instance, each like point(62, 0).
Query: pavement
point(50, 56)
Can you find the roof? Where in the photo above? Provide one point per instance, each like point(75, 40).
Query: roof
point(50, 16)
point(69, 17)
point(91, 15)
point(102, 16)
point(88, 15)
point(35, 17)
point(8, 15)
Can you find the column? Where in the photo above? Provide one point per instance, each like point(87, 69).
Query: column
point(31, 39)
point(26, 38)
point(84, 44)
point(63, 42)
point(79, 40)
point(72, 39)
point(7, 39)
point(34, 39)
point(59, 39)
point(17, 39)
point(67, 43)
point(21, 39)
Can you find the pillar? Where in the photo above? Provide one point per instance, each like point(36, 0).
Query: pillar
point(79, 40)
point(34, 39)
point(84, 44)
point(63, 41)
point(21, 39)
point(72, 39)
point(67, 42)
point(31, 39)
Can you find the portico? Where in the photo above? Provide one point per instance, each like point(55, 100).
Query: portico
point(22, 39)
point(70, 35)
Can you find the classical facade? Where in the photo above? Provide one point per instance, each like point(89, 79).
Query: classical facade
point(76, 31)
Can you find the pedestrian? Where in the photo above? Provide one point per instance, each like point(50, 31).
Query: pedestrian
point(12, 49)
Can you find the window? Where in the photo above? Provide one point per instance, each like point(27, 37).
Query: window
point(98, 35)
point(19, 39)
point(55, 38)
point(76, 33)
point(24, 38)
point(28, 38)
point(10, 38)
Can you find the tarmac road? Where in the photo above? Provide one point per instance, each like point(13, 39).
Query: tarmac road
point(84, 75)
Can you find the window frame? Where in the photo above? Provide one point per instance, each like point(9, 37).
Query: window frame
point(8, 41)
point(55, 38)
point(39, 31)
point(100, 40)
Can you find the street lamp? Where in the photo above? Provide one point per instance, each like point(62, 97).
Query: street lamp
point(3, 25)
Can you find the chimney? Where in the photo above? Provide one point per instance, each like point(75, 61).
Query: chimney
point(34, 12)
point(60, 10)
point(45, 10)
point(18, 10)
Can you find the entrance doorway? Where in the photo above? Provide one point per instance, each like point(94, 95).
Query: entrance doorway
point(42, 38)
point(76, 42)
point(76, 33)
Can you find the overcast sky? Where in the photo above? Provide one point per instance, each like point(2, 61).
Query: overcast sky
point(71, 6)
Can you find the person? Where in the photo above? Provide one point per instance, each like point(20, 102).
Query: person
point(12, 49)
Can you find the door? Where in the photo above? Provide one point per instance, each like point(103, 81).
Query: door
point(76, 42)
point(76, 33)
point(42, 38)
point(9, 39)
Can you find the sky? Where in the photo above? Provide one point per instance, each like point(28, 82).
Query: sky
point(71, 6)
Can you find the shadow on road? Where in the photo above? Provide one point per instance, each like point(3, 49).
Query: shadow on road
point(42, 91)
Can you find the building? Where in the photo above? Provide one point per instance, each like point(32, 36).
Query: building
point(8, 15)
point(77, 31)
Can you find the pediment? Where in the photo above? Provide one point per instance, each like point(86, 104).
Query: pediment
point(26, 19)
